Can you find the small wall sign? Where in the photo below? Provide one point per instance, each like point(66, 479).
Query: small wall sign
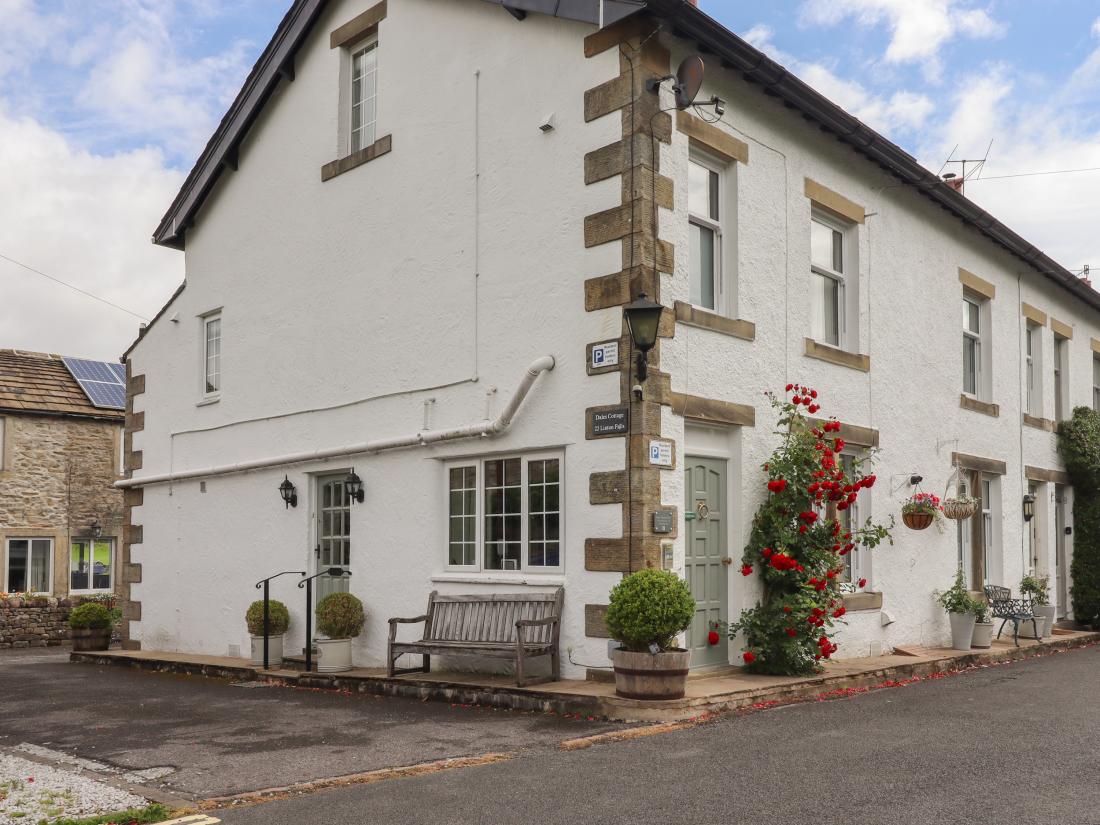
point(662, 521)
point(660, 453)
point(615, 421)
point(605, 355)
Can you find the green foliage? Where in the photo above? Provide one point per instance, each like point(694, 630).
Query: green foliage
point(649, 607)
point(90, 615)
point(1036, 588)
point(981, 611)
point(798, 542)
point(108, 601)
point(150, 813)
point(277, 614)
point(340, 616)
point(957, 598)
point(1079, 444)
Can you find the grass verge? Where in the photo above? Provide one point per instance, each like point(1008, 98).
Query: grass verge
point(131, 816)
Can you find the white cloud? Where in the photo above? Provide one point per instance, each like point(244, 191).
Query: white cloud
point(86, 219)
point(918, 28)
point(1096, 27)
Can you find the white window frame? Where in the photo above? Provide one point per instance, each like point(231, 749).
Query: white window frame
point(367, 44)
point(1060, 368)
point(857, 564)
point(91, 544)
point(204, 349)
point(479, 556)
point(989, 495)
point(982, 379)
point(1033, 366)
point(30, 547)
point(847, 283)
point(723, 287)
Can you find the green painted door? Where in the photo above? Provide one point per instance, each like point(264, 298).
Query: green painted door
point(705, 565)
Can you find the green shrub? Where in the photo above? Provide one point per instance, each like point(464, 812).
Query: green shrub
point(278, 618)
point(957, 598)
point(90, 615)
point(1079, 444)
point(340, 616)
point(1036, 588)
point(649, 607)
point(150, 813)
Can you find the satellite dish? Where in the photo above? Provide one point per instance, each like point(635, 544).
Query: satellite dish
point(689, 79)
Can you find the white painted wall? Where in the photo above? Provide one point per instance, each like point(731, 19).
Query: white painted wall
point(385, 283)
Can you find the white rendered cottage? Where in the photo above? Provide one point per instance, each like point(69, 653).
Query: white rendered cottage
point(419, 212)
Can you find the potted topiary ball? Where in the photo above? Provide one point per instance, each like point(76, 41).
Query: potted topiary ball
point(90, 626)
point(278, 622)
point(647, 610)
point(340, 618)
point(1037, 588)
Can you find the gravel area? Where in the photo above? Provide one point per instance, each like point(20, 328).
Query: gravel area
point(30, 792)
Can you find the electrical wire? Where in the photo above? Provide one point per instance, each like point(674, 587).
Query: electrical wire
point(74, 288)
point(1036, 174)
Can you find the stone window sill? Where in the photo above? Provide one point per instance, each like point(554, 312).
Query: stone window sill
point(529, 580)
point(380, 147)
point(866, 600)
point(1039, 423)
point(693, 316)
point(206, 402)
point(983, 407)
point(834, 355)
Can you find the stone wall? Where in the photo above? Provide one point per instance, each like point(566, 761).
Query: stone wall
point(33, 626)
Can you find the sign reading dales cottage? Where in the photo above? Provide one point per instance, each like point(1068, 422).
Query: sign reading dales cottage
point(608, 421)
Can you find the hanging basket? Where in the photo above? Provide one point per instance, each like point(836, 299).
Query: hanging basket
point(917, 521)
point(957, 507)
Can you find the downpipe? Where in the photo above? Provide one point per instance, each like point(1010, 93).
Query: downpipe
point(421, 438)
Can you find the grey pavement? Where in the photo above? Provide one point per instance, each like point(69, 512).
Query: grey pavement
point(221, 739)
point(1017, 744)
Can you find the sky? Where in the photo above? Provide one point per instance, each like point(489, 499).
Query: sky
point(105, 104)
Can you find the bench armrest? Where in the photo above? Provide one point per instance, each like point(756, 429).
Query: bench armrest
point(399, 620)
point(537, 622)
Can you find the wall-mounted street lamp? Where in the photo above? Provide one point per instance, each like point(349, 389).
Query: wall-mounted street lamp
point(1029, 507)
point(353, 486)
point(96, 528)
point(642, 319)
point(288, 492)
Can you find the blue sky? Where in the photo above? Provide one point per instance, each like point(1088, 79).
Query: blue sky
point(104, 105)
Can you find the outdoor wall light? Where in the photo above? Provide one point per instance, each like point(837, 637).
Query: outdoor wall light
point(1029, 507)
point(96, 528)
point(353, 486)
point(288, 492)
point(642, 319)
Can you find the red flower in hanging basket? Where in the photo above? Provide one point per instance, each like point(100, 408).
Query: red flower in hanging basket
point(713, 637)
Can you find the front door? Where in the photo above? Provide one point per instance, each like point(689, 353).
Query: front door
point(333, 533)
point(705, 564)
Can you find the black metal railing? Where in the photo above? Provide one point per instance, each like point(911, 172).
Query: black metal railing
point(307, 583)
point(266, 585)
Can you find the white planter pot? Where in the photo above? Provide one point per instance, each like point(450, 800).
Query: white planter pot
point(962, 630)
point(333, 655)
point(983, 635)
point(274, 651)
point(1048, 612)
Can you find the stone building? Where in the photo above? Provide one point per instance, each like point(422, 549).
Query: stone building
point(408, 248)
point(61, 517)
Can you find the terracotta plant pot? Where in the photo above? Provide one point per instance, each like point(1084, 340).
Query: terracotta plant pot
point(91, 638)
point(651, 675)
point(916, 521)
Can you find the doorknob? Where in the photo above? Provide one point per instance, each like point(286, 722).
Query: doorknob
point(726, 560)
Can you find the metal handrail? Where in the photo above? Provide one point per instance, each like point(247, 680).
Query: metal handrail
point(266, 585)
point(335, 572)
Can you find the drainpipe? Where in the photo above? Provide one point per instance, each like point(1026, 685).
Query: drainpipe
point(422, 438)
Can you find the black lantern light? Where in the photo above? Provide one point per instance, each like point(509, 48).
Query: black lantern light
point(288, 492)
point(1029, 507)
point(96, 528)
point(642, 318)
point(353, 486)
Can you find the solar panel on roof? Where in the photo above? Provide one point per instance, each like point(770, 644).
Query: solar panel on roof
point(104, 383)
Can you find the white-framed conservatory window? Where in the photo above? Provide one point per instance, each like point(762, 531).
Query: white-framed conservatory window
point(505, 513)
point(91, 565)
point(706, 216)
point(29, 566)
point(364, 94)
point(831, 265)
point(212, 354)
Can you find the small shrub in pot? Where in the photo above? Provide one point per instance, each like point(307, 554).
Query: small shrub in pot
point(90, 626)
point(961, 608)
point(340, 617)
point(278, 621)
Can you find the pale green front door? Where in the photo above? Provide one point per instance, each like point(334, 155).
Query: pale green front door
point(333, 534)
point(705, 566)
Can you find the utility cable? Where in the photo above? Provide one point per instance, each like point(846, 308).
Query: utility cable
point(74, 288)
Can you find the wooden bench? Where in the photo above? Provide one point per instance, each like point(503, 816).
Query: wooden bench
point(1003, 606)
point(515, 626)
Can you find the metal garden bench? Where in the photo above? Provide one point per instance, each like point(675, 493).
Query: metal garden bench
point(516, 626)
point(1003, 606)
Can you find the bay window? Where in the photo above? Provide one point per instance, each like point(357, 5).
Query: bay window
point(505, 514)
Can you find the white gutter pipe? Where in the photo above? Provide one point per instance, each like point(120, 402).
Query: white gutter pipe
point(424, 437)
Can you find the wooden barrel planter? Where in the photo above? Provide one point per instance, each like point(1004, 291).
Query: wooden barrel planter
point(91, 638)
point(651, 675)
point(916, 521)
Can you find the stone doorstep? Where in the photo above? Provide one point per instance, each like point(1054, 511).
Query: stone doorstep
point(715, 694)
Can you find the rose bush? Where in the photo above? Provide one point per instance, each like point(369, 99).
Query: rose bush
point(798, 544)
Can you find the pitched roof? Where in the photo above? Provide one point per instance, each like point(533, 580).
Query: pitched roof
point(684, 20)
point(38, 382)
